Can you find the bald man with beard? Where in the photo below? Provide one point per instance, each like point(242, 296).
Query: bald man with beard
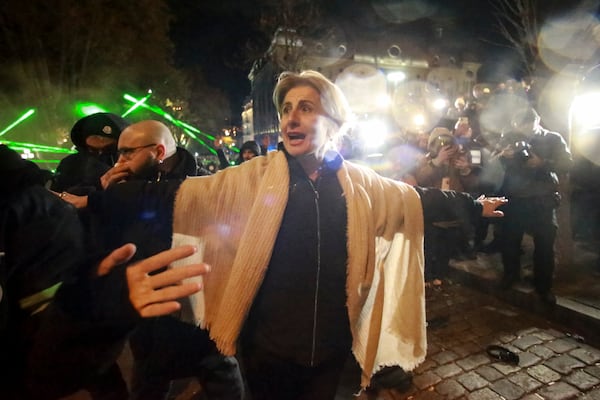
point(136, 207)
point(148, 151)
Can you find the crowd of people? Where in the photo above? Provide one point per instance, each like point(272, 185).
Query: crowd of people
point(496, 147)
point(262, 279)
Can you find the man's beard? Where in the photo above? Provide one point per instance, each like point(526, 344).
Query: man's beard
point(147, 172)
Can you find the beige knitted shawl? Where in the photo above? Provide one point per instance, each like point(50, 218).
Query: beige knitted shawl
point(235, 215)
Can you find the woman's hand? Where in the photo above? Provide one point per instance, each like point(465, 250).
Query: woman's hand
point(490, 205)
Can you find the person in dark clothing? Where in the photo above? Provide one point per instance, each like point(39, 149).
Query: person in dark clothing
point(249, 150)
point(47, 297)
point(136, 207)
point(147, 151)
point(311, 256)
point(533, 160)
point(95, 138)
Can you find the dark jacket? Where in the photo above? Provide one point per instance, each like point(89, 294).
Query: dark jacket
point(50, 302)
point(139, 211)
point(80, 173)
point(522, 181)
point(307, 323)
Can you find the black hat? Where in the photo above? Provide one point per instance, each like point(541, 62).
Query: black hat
point(100, 124)
point(252, 146)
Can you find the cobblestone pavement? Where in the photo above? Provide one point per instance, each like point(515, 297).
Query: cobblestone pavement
point(553, 363)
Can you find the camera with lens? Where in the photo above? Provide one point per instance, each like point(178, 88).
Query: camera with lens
point(521, 150)
point(438, 141)
point(517, 142)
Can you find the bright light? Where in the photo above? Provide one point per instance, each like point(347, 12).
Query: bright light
point(137, 104)
point(584, 110)
point(373, 132)
point(383, 101)
point(85, 109)
point(419, 120)
point(22, 118)
point(396, 76)
point(440, 104)
point(27, 154)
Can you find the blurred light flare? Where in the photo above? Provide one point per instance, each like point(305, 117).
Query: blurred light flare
point(568, 37)
point(584, 123)
point(584, 110)
point(373, 132)
point(85, 109)
point(396, 77)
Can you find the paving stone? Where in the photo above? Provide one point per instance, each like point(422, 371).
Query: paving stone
point(543, 374)
point(450, 389)
point(531, 397)
point(555, 333)
point(426, 380)
point(453, 343)
point(429, 395)
point(432, 348)
point(484, 394)
point(507, 337)
point(506, 369)
point(444, 357)
point(542, 351)
point(593, 370)
point(527, 331)
point(426, 365)
point(582, 380)
point(507, 389)
point(473, 361)
point(489, 373)
point(447, 370)
point(564, 364)
point(544, 335)
point(561, 345)
point(593, 395)
point(525, 381)
point(558, 391)
point(527, 359)
point(472, 381)
point(586, 354)
point(525, 342)
point(466, 348)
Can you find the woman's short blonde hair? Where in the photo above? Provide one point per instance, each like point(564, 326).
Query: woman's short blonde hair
point(333, 100)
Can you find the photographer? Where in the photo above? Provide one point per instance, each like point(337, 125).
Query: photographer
point(446, 166)
point(533, 157)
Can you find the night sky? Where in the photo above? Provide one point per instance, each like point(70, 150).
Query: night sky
point(214, 34)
